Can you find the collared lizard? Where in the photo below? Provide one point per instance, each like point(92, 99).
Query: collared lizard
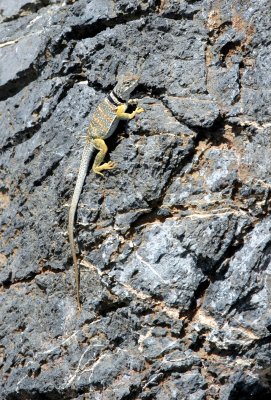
point(103, 123)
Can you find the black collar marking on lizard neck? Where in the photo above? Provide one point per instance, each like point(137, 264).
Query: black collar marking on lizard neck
point(119, 99)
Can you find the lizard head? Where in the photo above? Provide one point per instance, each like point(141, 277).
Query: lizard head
point(125, 86)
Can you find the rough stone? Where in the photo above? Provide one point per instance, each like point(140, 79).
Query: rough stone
point(174, 243)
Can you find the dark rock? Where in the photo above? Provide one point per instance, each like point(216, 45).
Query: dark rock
point(174, 243)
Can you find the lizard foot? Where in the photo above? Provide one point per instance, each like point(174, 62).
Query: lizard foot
point(139, 110)
point(105, 166)
point(109, 165)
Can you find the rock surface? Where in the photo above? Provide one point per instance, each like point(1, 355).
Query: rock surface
point(175, 242)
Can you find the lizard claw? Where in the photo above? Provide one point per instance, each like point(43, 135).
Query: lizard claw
point(99, 173)
point(103, 167)
point(110, 165)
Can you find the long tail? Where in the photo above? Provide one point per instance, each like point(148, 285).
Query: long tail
point(86, 156)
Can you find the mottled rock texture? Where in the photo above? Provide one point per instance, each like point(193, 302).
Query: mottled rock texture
point(174, 243)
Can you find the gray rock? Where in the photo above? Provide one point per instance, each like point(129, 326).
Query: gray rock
point(241, 280)
point(174, 243)
point(14, 9)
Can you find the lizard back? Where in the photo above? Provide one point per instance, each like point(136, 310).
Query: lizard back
point(103, 121)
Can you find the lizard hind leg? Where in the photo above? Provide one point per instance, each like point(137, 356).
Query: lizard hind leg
point(101, 146)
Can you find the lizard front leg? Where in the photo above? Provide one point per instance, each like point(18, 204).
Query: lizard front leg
point(121, 114)
point(97, 167)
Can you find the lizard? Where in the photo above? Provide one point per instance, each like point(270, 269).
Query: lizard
point(102, 125)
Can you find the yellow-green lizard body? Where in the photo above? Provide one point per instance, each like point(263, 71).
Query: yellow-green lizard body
point(103, 123)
